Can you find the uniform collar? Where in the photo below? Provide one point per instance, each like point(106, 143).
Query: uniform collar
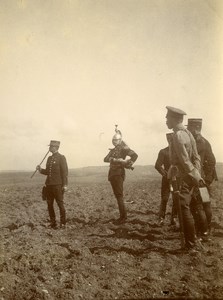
point(55, 154)
point(199, 137)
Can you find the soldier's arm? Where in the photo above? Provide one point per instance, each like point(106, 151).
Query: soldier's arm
point(44, 171)
point(64, 170)
point(132, 154)
point(129, 161)
point(179, 145)
point(159, 163)
point(179, 140)
point(209, 163)
point(108, 158)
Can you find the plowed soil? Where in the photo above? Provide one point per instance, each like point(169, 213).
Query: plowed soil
point(93, 258)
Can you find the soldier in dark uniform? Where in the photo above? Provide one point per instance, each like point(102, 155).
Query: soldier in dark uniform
point(56, 182)
point(184, 158)
point(208, 172)
point(120, 158)
point(162, 166)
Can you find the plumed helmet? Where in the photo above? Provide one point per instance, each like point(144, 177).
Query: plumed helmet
point(117, 138)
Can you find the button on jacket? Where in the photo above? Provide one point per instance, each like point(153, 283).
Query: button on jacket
point(56, 170)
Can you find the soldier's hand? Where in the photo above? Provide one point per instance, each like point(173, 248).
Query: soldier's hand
point(38, 168)
point(64, 189)
point(172, 172)
point(122, 161)
point(128, 164)
point(208, 182)
point(202, 183)
point(196, 176)
point(164, 173)
point(118, 160)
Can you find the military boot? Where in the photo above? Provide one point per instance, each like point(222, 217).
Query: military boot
point(122, 211)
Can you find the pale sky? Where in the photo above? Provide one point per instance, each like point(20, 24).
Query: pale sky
point(70, 70)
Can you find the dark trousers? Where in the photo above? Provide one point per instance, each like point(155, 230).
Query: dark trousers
point(198, 212)
point(208, 213)
point(165, 194)
point(117, 187)
point(185, 188)
point(207, 208)
point(54, 192)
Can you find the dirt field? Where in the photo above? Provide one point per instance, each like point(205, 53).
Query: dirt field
point(93, 258)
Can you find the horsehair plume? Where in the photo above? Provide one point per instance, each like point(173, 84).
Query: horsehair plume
point(117, 130)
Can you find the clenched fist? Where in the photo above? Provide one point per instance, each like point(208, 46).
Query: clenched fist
point(38, 168)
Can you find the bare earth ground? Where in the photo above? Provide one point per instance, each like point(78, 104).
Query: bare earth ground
point(94, 259)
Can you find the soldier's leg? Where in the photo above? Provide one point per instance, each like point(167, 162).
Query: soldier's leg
point(207, 208)
point(194, 213)
point(60, 203)
point(50, 200)
point(174, 211)
point(188, 221)
point(117, 186)
point(199, 213)
point(165, 193)
point(208, 213)
point(119, 197)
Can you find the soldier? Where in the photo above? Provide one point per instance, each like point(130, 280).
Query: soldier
point(184, 158)
point(56, 182)
point(208, 170)
point(162, 165)
point(120, 158)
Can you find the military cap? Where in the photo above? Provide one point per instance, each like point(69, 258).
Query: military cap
point(54, 143)
point(195, 123)
point(174, 112)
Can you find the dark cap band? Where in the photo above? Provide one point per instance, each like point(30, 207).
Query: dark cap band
point(194, 123)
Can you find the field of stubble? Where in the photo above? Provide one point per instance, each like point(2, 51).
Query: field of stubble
point(94, 259)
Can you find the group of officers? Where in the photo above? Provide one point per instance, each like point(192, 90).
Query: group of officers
point(188, 156)
point(191, 155)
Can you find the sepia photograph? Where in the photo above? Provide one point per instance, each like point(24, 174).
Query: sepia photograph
point(111, 157)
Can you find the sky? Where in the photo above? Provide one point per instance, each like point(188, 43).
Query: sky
point(70, 70)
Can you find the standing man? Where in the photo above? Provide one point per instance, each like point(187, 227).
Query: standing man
point(56, 183)
point(120, 158)
point(208, 163)
point(162, 166)
point(184, 158)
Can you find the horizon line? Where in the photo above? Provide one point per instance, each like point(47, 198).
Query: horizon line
point(72, 168)
point(93, 166)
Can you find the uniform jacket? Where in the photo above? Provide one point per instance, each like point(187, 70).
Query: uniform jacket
point(207, 159)
point(163, 161)
point(184, 151)
point(56, 170)
point(120, 151)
